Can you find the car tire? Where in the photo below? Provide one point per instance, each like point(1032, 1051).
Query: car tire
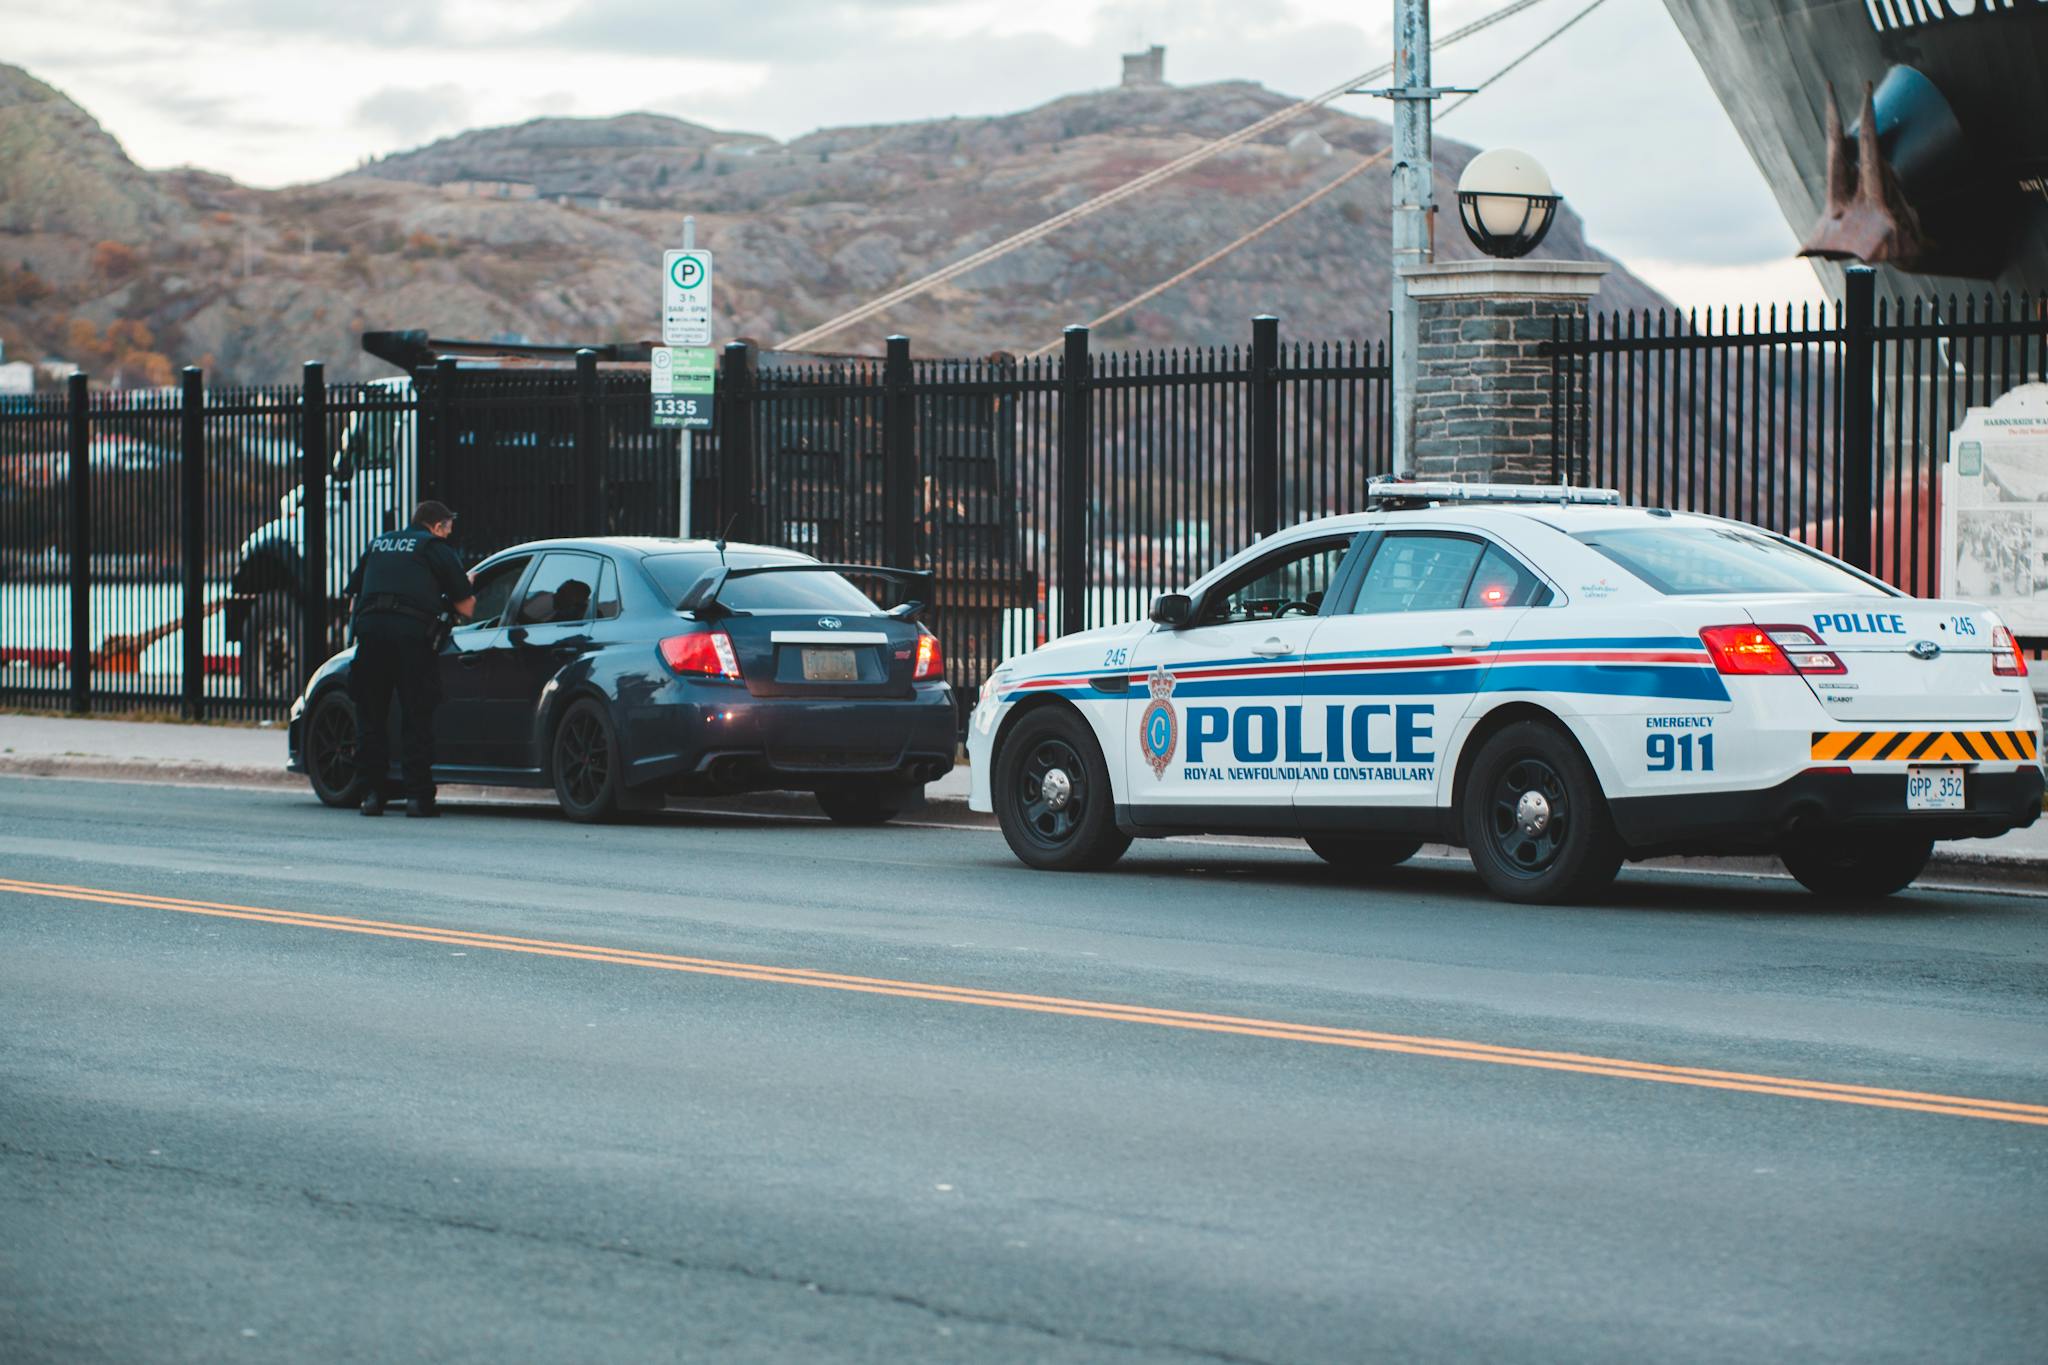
point(1361, 855)
point(585, 761)
point(1857, 867)
point(1059, 824)
point(329, 751)
point(868, 803)
point(1535, 821)
point(269, 664)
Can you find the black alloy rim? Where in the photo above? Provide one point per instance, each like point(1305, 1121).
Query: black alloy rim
point(333, 746)
point(1523, 850)
point(1051, 818)
point(584, 759)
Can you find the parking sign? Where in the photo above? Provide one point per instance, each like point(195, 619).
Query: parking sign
point(686, 298)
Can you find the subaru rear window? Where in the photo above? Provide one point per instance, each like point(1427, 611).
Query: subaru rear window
point(1691, 561)
point(800, 590)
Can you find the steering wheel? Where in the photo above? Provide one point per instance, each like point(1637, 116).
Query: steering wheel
point(1306, 609)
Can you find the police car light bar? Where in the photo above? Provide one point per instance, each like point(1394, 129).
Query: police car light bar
point(1383, 490)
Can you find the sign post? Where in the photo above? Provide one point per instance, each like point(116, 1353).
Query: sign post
point(684, 370)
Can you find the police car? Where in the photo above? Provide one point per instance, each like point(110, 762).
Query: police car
point(1554, 681)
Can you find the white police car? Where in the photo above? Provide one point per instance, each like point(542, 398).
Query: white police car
point(1552, 680)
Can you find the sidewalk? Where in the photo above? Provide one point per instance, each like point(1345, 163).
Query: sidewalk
point(64, 746)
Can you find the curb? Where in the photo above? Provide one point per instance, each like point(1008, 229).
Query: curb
point(1950, 866)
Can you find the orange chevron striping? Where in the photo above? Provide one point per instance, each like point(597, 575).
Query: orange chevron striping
point(1923, 746)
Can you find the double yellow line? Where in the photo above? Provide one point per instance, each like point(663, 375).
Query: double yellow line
point(1277, 1030)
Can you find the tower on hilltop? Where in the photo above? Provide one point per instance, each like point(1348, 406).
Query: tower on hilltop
point(1145, 69)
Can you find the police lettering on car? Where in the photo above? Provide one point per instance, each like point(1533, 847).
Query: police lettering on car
point(404, 584)
point(1553, 681)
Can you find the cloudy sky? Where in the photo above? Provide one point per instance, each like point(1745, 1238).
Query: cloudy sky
point(278, 91)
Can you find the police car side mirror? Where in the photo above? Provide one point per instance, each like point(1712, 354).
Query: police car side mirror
point(1172, 610)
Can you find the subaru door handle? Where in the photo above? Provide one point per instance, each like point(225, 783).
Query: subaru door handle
point(566, 652)
point(1464, 639)
point(1273, 648)
point(472, 660)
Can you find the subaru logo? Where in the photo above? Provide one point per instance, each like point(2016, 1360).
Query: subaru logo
point(1925, 649)
point(829, 622)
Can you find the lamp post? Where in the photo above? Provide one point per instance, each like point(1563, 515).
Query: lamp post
point(1506, 203)
point(1414, 201)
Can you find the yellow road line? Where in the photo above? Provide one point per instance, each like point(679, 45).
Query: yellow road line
point(1280, 1030)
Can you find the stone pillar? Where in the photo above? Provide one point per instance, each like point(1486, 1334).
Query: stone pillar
point(1482, 391)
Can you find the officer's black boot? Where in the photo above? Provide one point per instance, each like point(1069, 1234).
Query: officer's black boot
point(373, 802)
point(422, 808)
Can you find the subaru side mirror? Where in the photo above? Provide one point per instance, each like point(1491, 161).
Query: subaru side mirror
point(1172, 610)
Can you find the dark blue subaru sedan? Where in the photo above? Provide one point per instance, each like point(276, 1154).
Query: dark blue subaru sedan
point(621, 671)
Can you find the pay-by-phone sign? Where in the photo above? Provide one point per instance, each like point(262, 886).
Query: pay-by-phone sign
point(685, 383)
point(686, 298)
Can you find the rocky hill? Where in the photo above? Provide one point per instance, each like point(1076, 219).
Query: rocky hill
point(98, 257)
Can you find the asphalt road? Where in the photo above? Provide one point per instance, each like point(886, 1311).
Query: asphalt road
point(710, 1088)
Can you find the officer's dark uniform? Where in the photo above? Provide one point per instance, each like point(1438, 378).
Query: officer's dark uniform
point(401, 586)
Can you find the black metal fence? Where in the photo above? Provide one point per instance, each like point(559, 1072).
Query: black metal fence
point(181, 551)
point(1793, 421)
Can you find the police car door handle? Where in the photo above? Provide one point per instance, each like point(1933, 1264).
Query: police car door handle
point(1273, 648)
point(1464, 639)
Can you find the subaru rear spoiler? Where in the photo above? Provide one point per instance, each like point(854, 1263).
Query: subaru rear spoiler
point(702, 598)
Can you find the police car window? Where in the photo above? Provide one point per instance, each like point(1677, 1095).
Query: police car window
point(494, 590)
point(1290, 584)
point(1419, 572)
point(560, 591)
point(1501, 582)
point(1681, 561)
point(369, 443)
point(608, 593)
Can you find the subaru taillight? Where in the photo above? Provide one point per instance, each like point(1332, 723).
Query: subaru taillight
point(706, 653)
point(1804, 650)
point(2006, 659)
point(931, 661)
point(1745, 650)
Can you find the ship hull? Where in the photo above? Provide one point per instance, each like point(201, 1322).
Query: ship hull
point(1770, 63)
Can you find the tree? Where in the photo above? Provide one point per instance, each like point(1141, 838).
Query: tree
point(114, 260)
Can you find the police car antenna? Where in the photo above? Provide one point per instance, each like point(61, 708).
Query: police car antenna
point(720, 542)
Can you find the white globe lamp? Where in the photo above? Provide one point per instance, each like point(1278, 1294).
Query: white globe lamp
point(1505, 200)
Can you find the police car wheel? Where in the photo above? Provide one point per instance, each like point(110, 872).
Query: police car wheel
point(1534, 819)
point(1848, 867)
point(1361, 855)
point(1053, 798)
point(585, 763)
point(330, 752)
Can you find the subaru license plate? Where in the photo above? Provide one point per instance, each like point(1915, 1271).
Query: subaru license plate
point(1934, 788)
point(830, 665)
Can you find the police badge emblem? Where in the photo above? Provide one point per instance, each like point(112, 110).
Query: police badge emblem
point(1159, 729)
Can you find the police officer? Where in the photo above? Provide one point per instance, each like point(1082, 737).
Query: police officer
point(401, 586)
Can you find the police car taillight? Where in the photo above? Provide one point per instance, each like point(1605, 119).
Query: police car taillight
point(707, 653)
point(1804, 650)
point(2006, 659)
point(931, 662)
point(1745, 650)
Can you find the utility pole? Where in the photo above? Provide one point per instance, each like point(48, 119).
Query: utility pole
point(687, 447)
point(1414, 199)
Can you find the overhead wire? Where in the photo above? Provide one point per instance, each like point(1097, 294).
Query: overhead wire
point(1137, 184)
point(1324, 192)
